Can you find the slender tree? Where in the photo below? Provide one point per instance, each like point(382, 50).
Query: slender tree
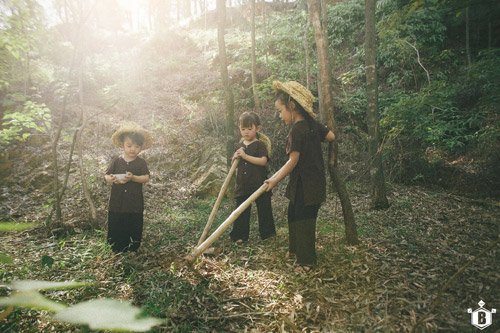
point(327, 112)
point(306, 50)
point(81, 126)
point(79, 16)
point(379, 197)
point(467, 36)
point(58, 128)
point(228, 94)
point(254, 59)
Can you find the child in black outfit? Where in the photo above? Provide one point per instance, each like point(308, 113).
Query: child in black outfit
point(306, 188)
point(127, 173)
point(251, 174)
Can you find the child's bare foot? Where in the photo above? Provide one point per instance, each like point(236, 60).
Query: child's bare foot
point(239, 242)
point(302, 269)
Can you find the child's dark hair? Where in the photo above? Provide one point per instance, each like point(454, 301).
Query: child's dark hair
point(135, 137)
point(284, 98)
point(248, 119)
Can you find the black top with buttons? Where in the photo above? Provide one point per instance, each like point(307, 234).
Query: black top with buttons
point(250, 176)
point(128, 197)
point(305, 137)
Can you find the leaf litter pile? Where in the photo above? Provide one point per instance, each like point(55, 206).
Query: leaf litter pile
point(420, 265)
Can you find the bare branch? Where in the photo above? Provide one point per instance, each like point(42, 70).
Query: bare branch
point(419, 62)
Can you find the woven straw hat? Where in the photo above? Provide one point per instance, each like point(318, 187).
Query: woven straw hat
point(131, 127)
point(299, 93)
point(266, 141)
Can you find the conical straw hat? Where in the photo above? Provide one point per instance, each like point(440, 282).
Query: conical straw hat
point(131, 127)
point(299, 93)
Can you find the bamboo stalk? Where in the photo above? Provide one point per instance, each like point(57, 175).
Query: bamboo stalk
point(226, 224)
point(223, 189)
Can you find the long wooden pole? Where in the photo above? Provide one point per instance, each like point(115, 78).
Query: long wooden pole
point(226, 224)
point(223, 189)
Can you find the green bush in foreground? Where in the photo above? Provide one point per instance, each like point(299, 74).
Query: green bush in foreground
point(96, 314)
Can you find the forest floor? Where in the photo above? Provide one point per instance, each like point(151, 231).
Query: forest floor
point(420, 264)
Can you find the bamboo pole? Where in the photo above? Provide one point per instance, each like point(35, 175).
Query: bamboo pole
point(223, 189)
point(226, 224)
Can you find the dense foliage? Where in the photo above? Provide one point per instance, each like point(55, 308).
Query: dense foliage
point(21, 73)
point(439, 88)
point(436, 107)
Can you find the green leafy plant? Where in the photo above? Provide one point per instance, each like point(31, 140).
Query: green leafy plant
point(108, 314)
point(19, 125)
point(97, 314)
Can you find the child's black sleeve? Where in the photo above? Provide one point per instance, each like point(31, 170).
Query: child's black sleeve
point(112, 167)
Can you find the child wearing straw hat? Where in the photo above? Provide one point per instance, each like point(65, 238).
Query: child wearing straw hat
point(254, 150)
point(126, 174)
point(306, 188)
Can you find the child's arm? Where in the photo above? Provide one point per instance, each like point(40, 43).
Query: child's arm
point(285, 170)
point(110, 179)
point(138, 179)
point(261, 161)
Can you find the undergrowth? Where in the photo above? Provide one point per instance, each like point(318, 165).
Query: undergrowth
point(389, 283)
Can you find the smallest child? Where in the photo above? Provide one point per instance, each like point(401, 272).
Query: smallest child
point(127, 173)
point(251, 174)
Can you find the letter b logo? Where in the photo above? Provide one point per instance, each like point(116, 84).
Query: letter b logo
point(481, 317)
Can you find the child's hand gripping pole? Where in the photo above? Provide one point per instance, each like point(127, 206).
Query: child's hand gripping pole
point(226, 224)
point(223, 189)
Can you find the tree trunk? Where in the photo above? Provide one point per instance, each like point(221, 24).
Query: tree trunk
point(83, 176)
point(489, 31)
point(306, 50)
point(81, 126)
point(254, 60)
point(467, 37)
point(55, 176)
point(205, 10)
point(59, 191)
point(187, 9)
point(228, 94)
point(379, 198)
point(324, 19)
point(178, 9)
point(265, 20)
point(150, 17)
point(327, 112)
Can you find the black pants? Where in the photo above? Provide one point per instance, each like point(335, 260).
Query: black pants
point(241, 227)
point(125, 231)
point(302, 229)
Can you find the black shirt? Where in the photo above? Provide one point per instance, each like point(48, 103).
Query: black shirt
point(310, 167)
point(250, 176)
point(127, 198)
